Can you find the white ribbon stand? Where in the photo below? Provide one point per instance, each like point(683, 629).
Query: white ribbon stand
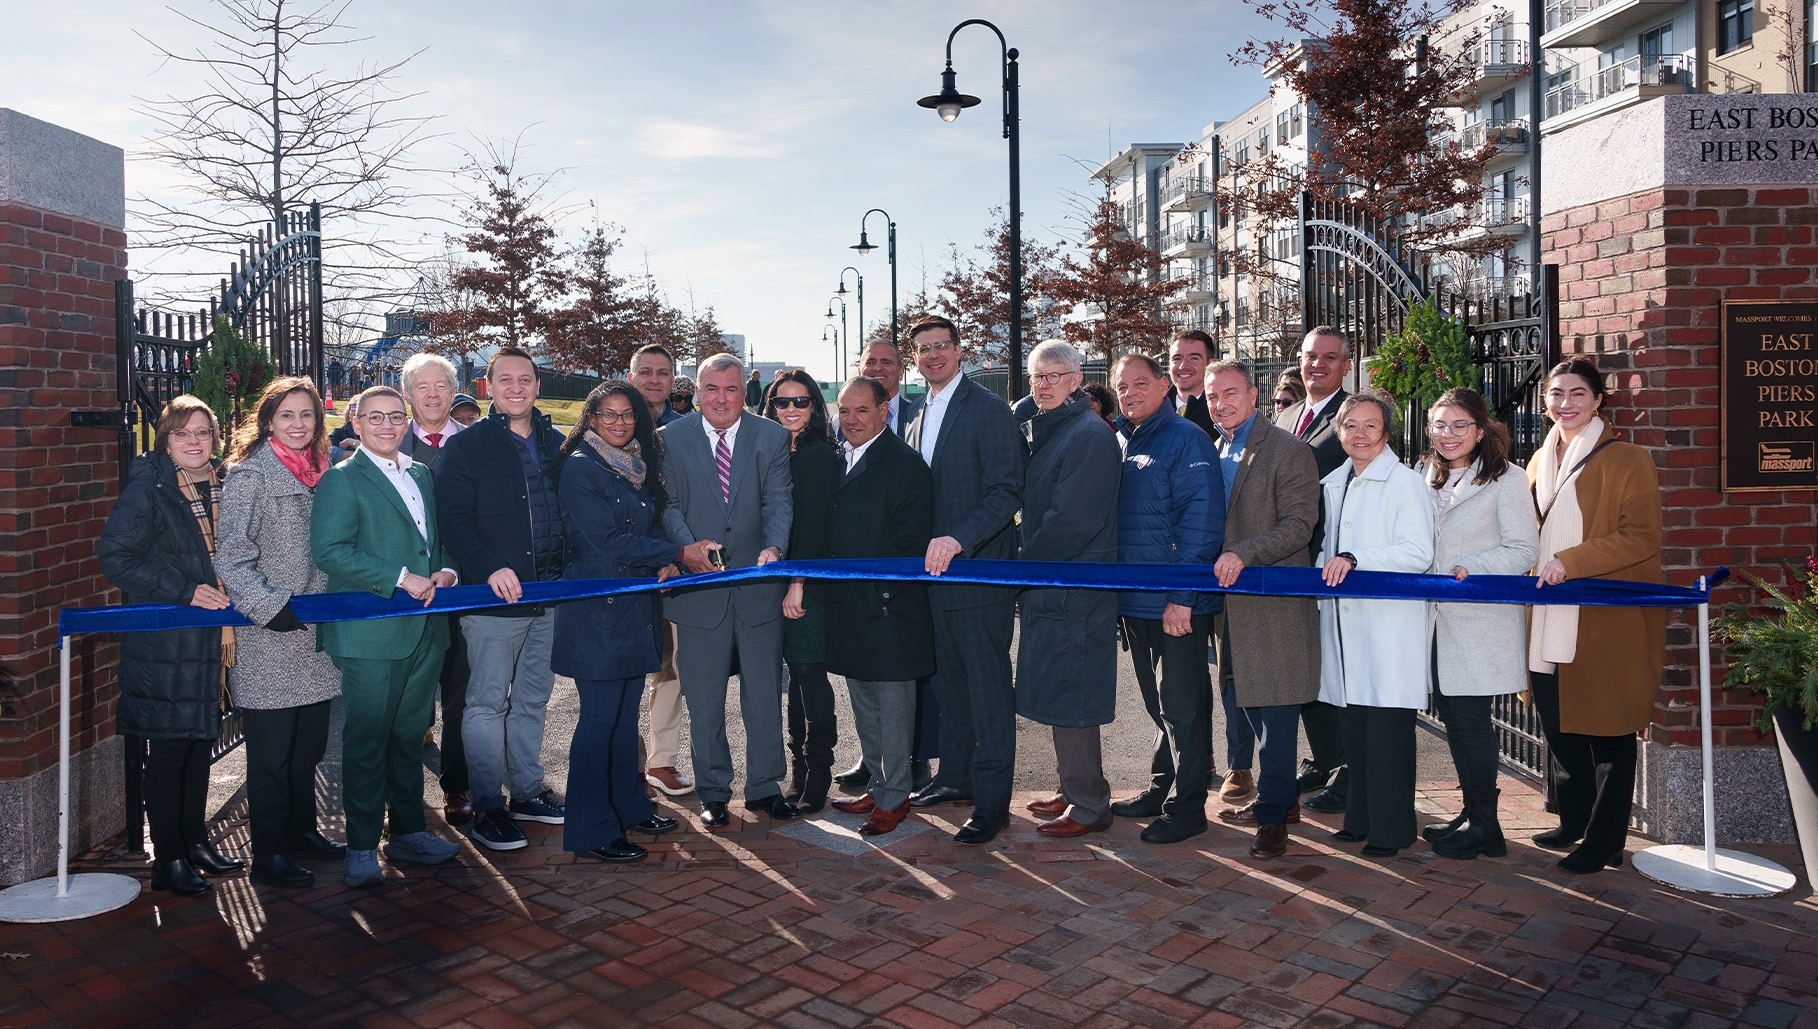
point(1709, 870)
point(65, 897)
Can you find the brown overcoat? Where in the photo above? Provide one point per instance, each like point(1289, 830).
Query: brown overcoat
point(1610, 689)
point(1270, 515)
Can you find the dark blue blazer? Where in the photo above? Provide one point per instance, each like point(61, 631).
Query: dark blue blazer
point(978, 484)
point(613, 533)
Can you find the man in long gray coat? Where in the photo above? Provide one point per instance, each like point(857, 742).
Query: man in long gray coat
point(1270, 644)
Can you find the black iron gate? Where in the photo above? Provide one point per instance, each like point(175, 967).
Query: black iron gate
point(273, 298)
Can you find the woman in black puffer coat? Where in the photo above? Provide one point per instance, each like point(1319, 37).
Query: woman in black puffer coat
point(156, 550)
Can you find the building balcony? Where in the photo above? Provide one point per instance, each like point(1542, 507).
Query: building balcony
point(1494, 64)
point(1600, 91)
point(1487, 287)
point(1596, 23)
point(1510, 137)
point(1197, 289)
point(1491, 216)
point(1186, 241)
point(1187, 193)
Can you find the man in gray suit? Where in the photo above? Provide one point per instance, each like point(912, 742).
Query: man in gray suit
point(970, 442)
point(1325, 360)
point(727, 473)
point(1268, 645)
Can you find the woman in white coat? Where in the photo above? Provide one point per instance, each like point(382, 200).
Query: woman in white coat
point(1373, 653)
point(1485, 525)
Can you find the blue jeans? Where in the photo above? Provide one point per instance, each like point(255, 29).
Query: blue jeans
point(507, 697)
point(605, 784)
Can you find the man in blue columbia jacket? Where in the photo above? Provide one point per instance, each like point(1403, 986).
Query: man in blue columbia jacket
point(1171, 511)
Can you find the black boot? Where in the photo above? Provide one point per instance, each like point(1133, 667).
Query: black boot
point(1432, 833)
point(177, 877)
point(798, 774)
point(1481, 833)
point(817, 751)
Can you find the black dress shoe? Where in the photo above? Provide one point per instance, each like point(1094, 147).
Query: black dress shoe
point(619, 852)
point(1558, 839)
point(855, 778)
point(1168, 830)
point(1383, 852)
point(1146, 804)
point(935, 795)
point(314, 845)
point(1312, 778)
point(1347, 836)
point(282, 873)
point(1329, 801)
point(982, 827)
point(713, 814)
point(180, 879)
point(920, 775)
point(1584, 860)
point(775, 806)
point(656, 825)
point(203, 857)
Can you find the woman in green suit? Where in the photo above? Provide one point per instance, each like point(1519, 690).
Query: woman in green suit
point(374, 529)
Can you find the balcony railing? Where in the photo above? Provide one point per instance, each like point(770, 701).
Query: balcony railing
point(1503, 132)
point(1495, 212)
point(1495, 53)
point(1189, 236)
point(1634, 73)
point(1488, 286)
point(1185, 189)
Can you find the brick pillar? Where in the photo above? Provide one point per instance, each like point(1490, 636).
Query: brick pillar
point(1649, 241)
point(62, 245)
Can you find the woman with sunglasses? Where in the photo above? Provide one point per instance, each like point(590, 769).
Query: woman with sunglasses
point(1485, 526)
point(1289, 389)
point(609, 476)
point(795, 402)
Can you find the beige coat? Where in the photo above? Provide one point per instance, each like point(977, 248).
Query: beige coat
point(1611, 688)
point(1273, 505)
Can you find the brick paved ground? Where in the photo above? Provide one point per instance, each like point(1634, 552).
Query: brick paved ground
point(752, 928)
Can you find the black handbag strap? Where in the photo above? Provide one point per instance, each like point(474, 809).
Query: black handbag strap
point(1534, 490)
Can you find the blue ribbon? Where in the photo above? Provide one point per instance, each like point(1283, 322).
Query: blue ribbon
point(1298, 581)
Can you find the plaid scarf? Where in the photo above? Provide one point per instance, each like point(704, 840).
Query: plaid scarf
point(207, 509)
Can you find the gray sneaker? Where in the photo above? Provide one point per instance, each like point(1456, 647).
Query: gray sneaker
point(362, 868)
point(422, 847)
point(544, 807)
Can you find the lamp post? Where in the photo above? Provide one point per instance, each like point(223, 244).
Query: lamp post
point(842, 291)
point(825, 329)
point(863, 246)
point(845, 333)
point(948, 103)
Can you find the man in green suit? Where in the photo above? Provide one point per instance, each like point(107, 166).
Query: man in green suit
point(373, 528)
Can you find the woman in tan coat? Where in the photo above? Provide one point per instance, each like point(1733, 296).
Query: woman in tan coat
point(1595, 671)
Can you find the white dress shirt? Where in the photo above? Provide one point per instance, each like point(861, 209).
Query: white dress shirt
point(892, 413)
point(397, 472)
point(449, 428)
point(1313, 409)
point(934, 411)
point(713, 435)
point(854, 456)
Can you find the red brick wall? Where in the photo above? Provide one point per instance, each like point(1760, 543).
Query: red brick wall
point(57, 483)
point(1640, 281)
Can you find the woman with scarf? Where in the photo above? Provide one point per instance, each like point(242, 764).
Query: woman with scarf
point(610, 482)
point(1594, 671)
point(158, 548)
point(281, 684)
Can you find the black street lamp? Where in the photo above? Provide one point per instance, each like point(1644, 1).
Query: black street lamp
point(863, 246)
point(845, 332)
point(825, 329)
point(842, 291)
point(948, 103)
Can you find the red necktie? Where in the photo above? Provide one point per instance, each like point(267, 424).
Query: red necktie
point(435, 439)
point(1305, 420)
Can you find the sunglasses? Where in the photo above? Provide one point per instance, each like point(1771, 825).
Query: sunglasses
point(1280, 403)
point(801, 403)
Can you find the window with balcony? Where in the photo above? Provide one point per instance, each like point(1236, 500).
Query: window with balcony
point(1657, 42)
point(1735, 24)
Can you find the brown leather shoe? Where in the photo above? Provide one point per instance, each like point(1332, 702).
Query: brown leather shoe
point(1240, 786)
point(1048, 806)
point(1064, 826)
point(457, 808)
point(883, 820)
point(1246, 815)
point(859, 805)
point(1271, 841)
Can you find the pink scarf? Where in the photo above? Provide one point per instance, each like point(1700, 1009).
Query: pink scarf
point(302, 463)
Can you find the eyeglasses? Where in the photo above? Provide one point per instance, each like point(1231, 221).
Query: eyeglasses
point(799, 403)
point(615, 417)
point(1047, 378)
point(1449, 428)
point(1280, 403)
point(934, 348)
point(385, 418)
point(186, 436)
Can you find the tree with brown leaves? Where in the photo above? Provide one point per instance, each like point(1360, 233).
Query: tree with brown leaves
point(519, 279)
point(1119, 280)
point(977, 296)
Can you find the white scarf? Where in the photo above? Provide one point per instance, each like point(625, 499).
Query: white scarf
point(1553, 633)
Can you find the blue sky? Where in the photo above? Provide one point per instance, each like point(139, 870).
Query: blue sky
point(737, 143)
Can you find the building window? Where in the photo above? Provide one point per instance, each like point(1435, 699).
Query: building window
point(1281, 127)
point(1294, 118)
point(1735, 24)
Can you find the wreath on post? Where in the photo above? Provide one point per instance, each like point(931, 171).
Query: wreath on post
point(1431, 354)
point(230, 375)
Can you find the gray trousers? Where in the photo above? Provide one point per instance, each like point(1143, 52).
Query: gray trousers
point(1082, 774)
point(703, 660)
point(884, 714)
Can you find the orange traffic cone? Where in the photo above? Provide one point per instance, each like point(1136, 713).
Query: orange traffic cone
point(328, 400)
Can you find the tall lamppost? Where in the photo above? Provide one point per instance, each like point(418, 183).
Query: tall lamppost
point(863, 246)
point(825, 330)
point(948, 103)
point(842, 291)
point(845, 333)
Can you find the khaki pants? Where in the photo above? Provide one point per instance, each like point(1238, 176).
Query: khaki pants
point(665, 690)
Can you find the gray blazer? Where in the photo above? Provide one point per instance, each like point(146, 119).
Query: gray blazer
point(758, 517)
point(262, 558)
point(978, 485)
point(1489, 530)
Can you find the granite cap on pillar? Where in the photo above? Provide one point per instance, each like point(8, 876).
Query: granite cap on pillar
point(54, 169)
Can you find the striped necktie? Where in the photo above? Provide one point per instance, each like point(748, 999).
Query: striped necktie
point(722, 459)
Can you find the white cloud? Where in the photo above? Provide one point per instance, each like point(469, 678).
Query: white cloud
point(685, 141)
